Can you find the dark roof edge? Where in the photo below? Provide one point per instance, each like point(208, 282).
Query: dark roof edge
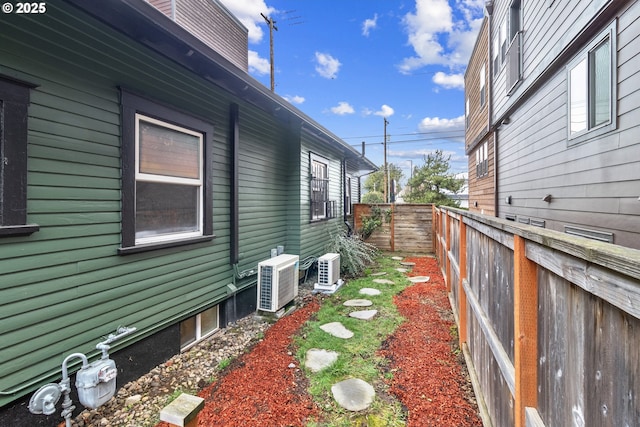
point(142, 22)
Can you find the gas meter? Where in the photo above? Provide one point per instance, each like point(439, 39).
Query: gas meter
point(96, 382)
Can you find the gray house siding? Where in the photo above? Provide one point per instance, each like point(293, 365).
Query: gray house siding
point(565, 20)
point(593, 182)
point(65, 286)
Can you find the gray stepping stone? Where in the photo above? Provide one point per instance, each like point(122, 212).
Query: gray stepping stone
point(402, 270)
point(363, 314)
point(419, 279)
point(397, 258)
point(358, 303)
point(337, 329)
point(408, 264)
point(383, 281)
point(318, 359)
point(369, 291)
point(353, 394)
point(379, 273)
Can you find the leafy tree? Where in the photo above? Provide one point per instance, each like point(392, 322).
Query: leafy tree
point(375, 181)
point(433, 182)
point(372, 197)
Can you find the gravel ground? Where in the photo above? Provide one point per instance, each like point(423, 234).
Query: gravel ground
point(138, 403)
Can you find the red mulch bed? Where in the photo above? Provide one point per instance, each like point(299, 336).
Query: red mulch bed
point(260, 389)
point(428, 376)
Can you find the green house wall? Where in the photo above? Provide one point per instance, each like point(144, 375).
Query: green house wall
point(65, 286)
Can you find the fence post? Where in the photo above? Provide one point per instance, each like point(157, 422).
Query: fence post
point(392, 226)
point(446, 255)
point(462, 296)
point(525, 330)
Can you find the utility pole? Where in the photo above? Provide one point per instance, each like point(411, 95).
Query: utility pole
point(272, 27)
point(386, 170)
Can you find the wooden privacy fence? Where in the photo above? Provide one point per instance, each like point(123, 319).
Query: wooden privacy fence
point(405, 227)
point(549, 323)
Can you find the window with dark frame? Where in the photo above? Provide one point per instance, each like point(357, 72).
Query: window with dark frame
point(321, 206)
point(14, 103)
point(347, 195)
point(167, 190)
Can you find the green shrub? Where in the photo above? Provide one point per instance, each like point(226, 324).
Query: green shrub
point(355, 254)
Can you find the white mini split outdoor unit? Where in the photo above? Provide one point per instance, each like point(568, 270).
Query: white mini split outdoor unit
point(277, 282)
point(328, 272)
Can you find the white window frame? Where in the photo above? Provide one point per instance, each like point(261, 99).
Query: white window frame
point(466, 113)
point(592, 131)
point(496, 54)
point(482, 160)
point(166, 179)
point(503, 41)
point(198, 331)
point(483, 88)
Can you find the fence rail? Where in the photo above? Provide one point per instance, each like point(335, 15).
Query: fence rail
point(405, 227)
point(549, 323)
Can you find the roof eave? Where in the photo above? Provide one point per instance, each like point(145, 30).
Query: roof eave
point(143, 23)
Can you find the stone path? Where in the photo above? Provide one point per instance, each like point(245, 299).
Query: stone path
point(352, 394)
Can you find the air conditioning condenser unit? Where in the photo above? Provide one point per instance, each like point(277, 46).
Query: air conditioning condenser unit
point(277, 282)
point(328, 272)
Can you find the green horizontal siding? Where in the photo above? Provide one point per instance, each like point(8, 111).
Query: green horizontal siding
point(314, 236)
point(64, 287)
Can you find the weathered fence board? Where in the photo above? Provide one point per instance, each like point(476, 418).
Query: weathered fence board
point(550, 324)
point(409, 228)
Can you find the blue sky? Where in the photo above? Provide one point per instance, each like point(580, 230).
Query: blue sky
point(350, 63)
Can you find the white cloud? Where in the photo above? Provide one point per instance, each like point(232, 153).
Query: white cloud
point(327, 66)
point(449, 81)
point(369, 24)
point(258, 65)
point(421, 152)
point(439, 36)
point(295, 99)
point(437, 124)
point(248, 12)
point(385, 111)
point(342, 108)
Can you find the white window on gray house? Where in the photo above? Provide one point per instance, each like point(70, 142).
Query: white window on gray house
point(321, 206)
point(503, 41)
point(496, 55)
point(515, 19)
point(483, 89)
point(169, 181)
point(591, 86)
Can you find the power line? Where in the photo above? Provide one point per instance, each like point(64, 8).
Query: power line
point(407, 141)
point(405, 134)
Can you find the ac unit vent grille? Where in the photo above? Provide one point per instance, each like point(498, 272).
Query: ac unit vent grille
point(266, 285)
point(277, 282)
point(328, 269)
